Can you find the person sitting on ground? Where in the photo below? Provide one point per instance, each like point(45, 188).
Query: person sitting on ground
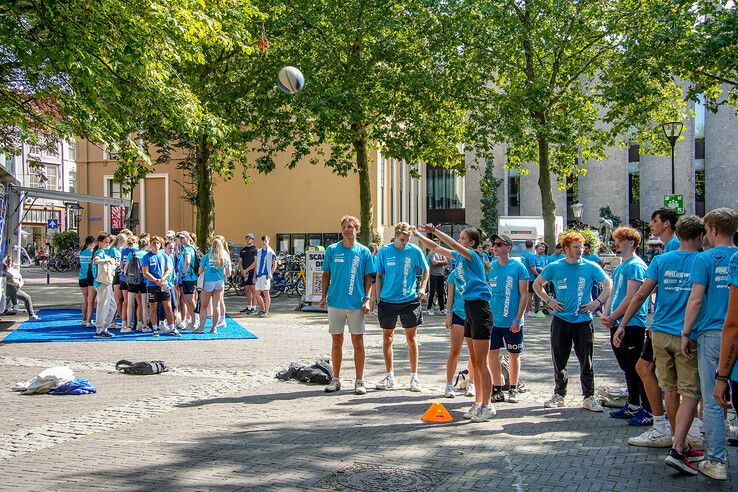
point(14, 284)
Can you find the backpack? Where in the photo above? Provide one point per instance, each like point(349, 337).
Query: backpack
point(105, 273)
point(141, 368)
point(196, 262)
point(133, 274)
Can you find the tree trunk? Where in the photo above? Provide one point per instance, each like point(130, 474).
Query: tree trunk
point(365, 189)
point(547, 202)
point(205, 224)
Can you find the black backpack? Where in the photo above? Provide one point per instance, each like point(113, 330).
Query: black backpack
point(141, 368)
point(133, 274)
point(196, 262)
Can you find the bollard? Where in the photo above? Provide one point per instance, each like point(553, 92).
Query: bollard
point(48, 278)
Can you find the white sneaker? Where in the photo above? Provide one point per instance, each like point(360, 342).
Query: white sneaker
point(126, 329)
point(472, 410)
point(359, 387)
point(443, 312)
point(144, 329)
point(333, 386)
point(713, 469)
point(429, 312)
point(388, 382)
point(591, 404)
point(652, 438)
point(470, 391)
point(696, 442)
point(484, 414)
point(450, 392)
point(180, 326)
point(556, 401)
point(415, 385)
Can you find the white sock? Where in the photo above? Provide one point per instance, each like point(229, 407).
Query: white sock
point(659, 423)
point(172, 327)
point(413, 375)
point(391, 374)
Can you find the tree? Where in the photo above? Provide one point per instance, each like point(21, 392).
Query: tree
point(558, 81)
point(377, 77)
point(489, 186)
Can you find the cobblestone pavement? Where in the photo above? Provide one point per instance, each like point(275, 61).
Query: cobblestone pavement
point(219, 421)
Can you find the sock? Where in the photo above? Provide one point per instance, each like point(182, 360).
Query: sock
point(391, 374)
point(172, 327)
point(659, 423)
point(413, 375)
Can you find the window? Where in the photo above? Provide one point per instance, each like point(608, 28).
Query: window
point(51, 148)
point(445, 188)
point(114, 189)
point(513, 192)
point(315, 239)
point(634, 184)
point(117, 214)
point(699, 155)
point(34, 150)
point(72, 151)
point(298, 243)
point(330, 238)
point(283, 243)
point(111, 153)
point(45, 176)
point(72, 180)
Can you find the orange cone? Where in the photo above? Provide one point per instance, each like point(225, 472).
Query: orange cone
point(437, 413)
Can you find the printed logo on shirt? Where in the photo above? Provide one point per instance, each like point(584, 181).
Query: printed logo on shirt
point(581, 282)
point(354, 269)
point(405, 274)
point(561, 284)
point(508, 293)
point(338, 258)
point(721, 277)
point(676, 281)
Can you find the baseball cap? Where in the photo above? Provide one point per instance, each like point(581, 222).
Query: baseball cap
point(502, 237)
point(249, 235)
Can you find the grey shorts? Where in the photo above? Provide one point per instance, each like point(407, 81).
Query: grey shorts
point(337, 319)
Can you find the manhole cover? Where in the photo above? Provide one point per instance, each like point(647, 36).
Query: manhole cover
point(375, 478)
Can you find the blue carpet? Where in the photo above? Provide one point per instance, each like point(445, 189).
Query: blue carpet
point(63, 325)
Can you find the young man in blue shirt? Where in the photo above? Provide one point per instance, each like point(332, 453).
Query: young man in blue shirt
point(348, 268)
point(727, 373)
point(677, 373)
point(573, 279)
point(663, 225)
point(401, 297)
point(706, 308)
point(508, 281)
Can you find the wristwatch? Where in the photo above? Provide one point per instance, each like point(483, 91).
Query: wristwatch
point(718, 377)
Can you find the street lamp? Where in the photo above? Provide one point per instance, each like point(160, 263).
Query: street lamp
point(672, 130)
point(577, 209)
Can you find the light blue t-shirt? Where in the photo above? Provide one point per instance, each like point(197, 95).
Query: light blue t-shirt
point(348, 267)
point(398, 267)
point(157, 264)
point(573, 285)
point(85, 259)
point(529, 260)
point(710, 268)
point(458, 307)
point(190, 274)
point(213, 273)
point(541, 262)
point(672, 245)
point(504, 284)
point(631, 269)
point(733, 280)
point(592, 257)
point(472, 273)
point(671, 271)
point(555, 257)
point(172, 274)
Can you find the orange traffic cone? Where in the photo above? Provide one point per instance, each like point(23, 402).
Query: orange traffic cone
point(437, 413)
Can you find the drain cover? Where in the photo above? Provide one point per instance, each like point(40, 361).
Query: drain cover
point(374, 478)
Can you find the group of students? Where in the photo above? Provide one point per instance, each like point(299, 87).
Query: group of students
point(669, 368)
point(152, 284)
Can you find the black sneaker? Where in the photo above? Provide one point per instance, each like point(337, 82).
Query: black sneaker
point(680, 462)
point(498, 396)
point(245, 311)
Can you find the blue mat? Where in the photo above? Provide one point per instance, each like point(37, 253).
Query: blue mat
point(63, 325)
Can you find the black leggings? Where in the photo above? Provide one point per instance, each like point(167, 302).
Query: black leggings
point(436, 288)
point(627, 355)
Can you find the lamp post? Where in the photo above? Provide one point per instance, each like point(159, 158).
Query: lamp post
point(672, 130)
point(577, 209)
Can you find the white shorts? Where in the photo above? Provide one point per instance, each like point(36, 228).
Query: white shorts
point(212, 286)
point(263, 283)
point(338, 317)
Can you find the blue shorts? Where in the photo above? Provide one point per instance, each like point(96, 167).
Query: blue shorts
point(503, 337)
point(456, 319)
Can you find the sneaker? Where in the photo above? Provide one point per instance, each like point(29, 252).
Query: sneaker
point(484, 414)
point(34, 318)
point(513, 395)
point(555, 402)
point(624, 413)
point(540, 314)
point(443, 312)
point(155, 333)
point(251, 312)
point(104, 334)
point(470, 391)
point(214, 330)
point(472, 410)
point(198, 330)
point(245, 311)
point(333, 386)
point(652, 438)
point(591, 404)
point(429, 312)
point(680, 462)
point(388, 382)
point(180, 326)
point(221, 323)
point(642, 418)
point(693, 455)
point(450, 392)
point(696, 442)
point(714, 469)
point(174, 333)
point(359, 387)
point(89, 325)
point(144, 329)
point(415, 385)
point(126, 329)
point(262, 314)
point(498, 396)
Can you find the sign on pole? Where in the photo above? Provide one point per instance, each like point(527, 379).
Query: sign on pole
point(674, 202)
point(52, 223)
point(314, 273)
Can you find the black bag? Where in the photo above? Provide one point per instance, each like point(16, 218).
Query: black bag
point(319, 373)
point(133, 274)
point(145, 368)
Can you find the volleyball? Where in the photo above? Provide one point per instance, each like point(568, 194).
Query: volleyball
point(290, 80)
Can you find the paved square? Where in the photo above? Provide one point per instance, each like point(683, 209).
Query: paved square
point(220, 421)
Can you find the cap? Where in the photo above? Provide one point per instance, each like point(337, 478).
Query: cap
point(249, 235)
point(502, 237)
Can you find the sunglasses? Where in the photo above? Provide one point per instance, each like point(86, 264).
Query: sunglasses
point(499, 244)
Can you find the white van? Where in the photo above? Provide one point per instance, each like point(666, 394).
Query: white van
point(522, 228)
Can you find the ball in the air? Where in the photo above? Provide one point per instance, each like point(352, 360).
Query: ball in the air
point(290, 80)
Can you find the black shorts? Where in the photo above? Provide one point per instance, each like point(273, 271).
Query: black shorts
point(250, 278)
point(123, 285)
point(478, 322)
point(410, 314)
point(647, 353)
point(189, 286)
point(157, 294)
point(116, 279)
point(456, 319)
point(137, 288)
point(84, 283)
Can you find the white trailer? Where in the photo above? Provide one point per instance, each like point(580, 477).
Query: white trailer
point(522, 228)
